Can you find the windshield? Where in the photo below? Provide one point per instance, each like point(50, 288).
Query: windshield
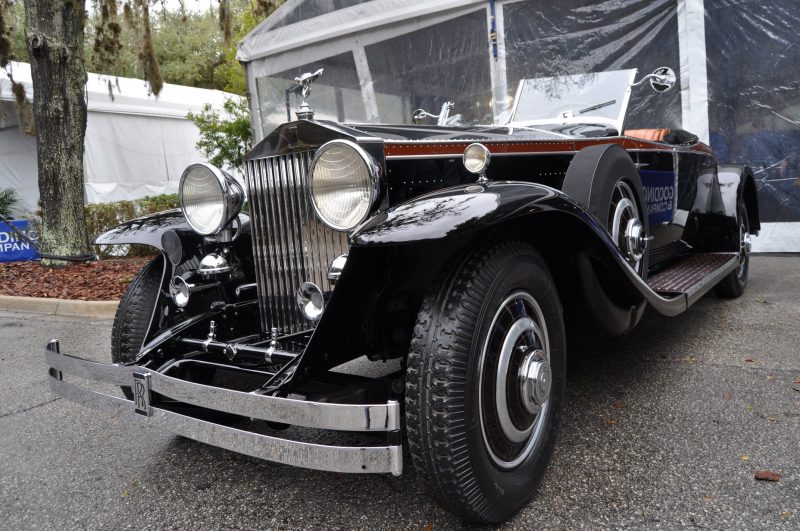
point(600, 97)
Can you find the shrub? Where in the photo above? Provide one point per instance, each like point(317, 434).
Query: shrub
point(226, 138)
point(8, 199)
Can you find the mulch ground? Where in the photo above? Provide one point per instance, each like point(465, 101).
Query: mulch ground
point(93, 281)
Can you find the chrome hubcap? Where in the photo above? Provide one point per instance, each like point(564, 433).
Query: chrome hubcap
point(624, 224)
point(535, 379)
point(515, 380)
point(745, 245)
point(635, 240)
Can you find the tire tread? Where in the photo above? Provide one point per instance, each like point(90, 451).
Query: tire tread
point(435, 401)
point(132, 318)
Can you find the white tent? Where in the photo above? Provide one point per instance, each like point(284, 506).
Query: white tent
point(136, 145)
point(385, 58)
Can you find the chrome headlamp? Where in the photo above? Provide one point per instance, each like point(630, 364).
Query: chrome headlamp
point(344, 184)
point(209, 197)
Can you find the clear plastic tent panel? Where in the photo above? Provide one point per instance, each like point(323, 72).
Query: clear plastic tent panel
point(753, 51)
point(427, 67)
point(544, 39)
point(738, 82)
point(422, 68)
point(335, 96)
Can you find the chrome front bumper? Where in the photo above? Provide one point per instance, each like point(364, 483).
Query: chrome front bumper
point(323, 415)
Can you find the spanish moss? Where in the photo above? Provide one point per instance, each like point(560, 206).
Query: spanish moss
point(107, 42)
point(24, 107)
point(147, 54)
point(225, 20)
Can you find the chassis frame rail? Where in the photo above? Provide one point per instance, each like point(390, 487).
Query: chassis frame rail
point(322, 415)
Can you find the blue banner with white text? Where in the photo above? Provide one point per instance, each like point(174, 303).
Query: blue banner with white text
point(14, 248)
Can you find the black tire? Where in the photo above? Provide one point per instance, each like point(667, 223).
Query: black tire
point(445, 423)
point(592, 179)
point(134, 313)
point(733, 285)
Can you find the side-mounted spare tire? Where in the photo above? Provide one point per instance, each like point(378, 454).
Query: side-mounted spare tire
point(605, 180)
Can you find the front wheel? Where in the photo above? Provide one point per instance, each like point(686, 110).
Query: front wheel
point(133, 315)
point(485, 382)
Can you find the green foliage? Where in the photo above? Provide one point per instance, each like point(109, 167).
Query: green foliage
point(5, 32)
point(12, 48)
point(189, 48)
point(224, 140)
point(132, 38)
point(230, 72)
point(12, 32)
point(8, 199)
point(101, 217)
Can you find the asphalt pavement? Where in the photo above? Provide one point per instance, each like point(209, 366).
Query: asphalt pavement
point(665, 428)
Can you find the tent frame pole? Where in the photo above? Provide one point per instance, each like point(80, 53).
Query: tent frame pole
point(693, 71)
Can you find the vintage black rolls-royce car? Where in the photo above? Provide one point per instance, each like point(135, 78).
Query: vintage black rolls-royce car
point(466, 253)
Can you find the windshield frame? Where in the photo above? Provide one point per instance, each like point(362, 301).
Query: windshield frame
point(617, 123)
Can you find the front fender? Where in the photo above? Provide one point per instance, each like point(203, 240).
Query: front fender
point(396, 255)
point(151, 231)
point(455, 211)
point(182, 247)
point(504, 208)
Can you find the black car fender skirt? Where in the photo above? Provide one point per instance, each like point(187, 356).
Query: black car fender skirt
point(612, 319)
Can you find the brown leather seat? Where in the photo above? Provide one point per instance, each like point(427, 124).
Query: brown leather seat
point(656, 135)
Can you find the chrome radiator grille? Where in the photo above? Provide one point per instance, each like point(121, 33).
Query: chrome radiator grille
point(290, 245)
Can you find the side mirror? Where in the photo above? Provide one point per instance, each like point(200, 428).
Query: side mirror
point(420, 115)
point(661, 80)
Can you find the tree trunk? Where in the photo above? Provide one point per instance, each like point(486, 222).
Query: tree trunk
point(54, 36)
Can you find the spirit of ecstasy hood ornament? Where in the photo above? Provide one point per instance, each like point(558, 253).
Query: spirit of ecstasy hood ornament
point(305, 112)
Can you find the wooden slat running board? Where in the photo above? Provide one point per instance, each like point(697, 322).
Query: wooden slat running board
point(694, 275)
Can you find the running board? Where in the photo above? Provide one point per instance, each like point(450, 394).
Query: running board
point(693, 277)
point(671, 291)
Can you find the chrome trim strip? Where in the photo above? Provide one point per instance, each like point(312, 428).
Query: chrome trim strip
point(458, 155)
point(521, 153)
point(322, 415)
point(362, 460)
